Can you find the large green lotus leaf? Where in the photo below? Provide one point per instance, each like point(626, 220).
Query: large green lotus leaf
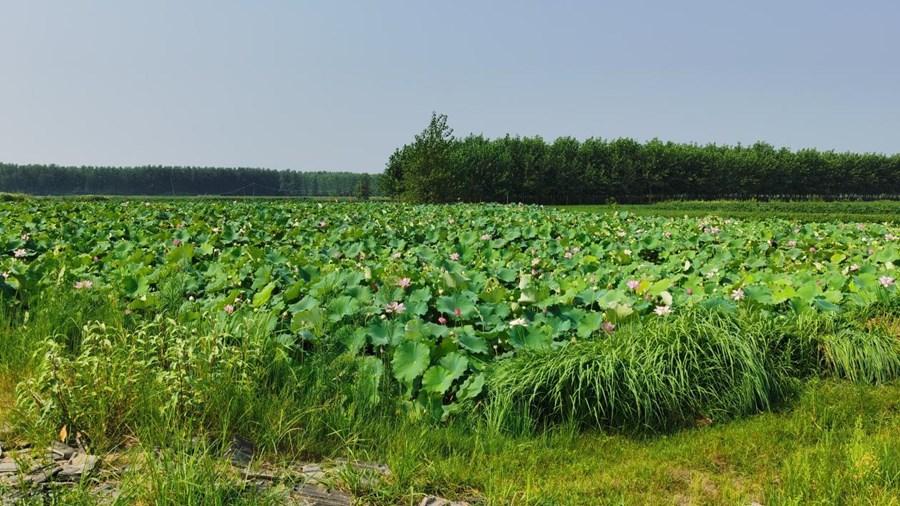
point(304, 304)
point(380, 332)
point(263, 296)
point(293, 292)
point(888, 254)
point(310, 318)
point(759, 294)
point(455, 363)
point(611, 298)
point(410, 360)
point(824, 305)
point(183, 253)
point(417, 302)
point(589, 324)
point(530, 338)
point(719, 303)
point(416, 330)
point(469, 340)
point(660, 286)
point(354, 341)
point(262, 277)
point(437, 380)
point(471, 387)
point(782, 293)
point(436, 330)
point(361, 294)
point(459, 301)
point(341, 308)
point(807, 291)
point(134, 286)
point(387, 295)
point(494, 293)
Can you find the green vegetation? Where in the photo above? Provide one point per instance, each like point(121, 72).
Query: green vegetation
point(159, 180)
point(807, 211)
point(500, 354)
point(437, 167)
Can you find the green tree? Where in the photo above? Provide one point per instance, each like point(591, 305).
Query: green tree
point(364, 187)
point(422, 171)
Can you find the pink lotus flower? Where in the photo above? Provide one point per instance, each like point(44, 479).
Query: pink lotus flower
point(812, 249)
point(737, 294)
point(567, 255)
point(25, 236)
point(486, 237)
point(84, 284)
point(457, 312)
point(792, 243)
point(860, 226)
point(404, 282)
point(609, 327)
point(886, 281)
point(442, 320)
point(663, 310)
point(229, 308)
point(395, 308)
point(176, 242)
point(19, 253)
point(454, 256)
point(633, 284)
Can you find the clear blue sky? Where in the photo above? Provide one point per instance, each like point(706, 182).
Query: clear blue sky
point(337, 85)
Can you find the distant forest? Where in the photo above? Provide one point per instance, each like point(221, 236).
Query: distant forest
point(438, 167)
point(158, 180)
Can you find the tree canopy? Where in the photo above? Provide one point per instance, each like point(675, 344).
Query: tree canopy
point(438, 167)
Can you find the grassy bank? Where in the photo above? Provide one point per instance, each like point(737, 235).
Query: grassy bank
point(169, 397)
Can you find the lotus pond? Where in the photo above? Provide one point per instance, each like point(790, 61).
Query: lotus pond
point(432, 296)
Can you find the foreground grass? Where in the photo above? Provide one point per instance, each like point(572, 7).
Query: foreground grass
point(837, 445)
point(806, 211)
point(169, 397)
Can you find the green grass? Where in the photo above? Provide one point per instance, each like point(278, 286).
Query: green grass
point(836, 444)
point(169, 394)
point(807, 211)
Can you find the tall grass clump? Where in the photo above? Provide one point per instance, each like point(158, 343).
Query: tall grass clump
point(670, 372)
point(216, 376)
point(861, 345)
point(656, 376)
point(25, 324)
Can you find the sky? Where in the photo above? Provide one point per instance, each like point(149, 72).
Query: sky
point(337, 85)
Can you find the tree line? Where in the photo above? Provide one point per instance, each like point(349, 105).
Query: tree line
point(438, 167)
point(160, 180)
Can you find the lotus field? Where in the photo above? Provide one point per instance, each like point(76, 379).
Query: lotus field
point(431, 298)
